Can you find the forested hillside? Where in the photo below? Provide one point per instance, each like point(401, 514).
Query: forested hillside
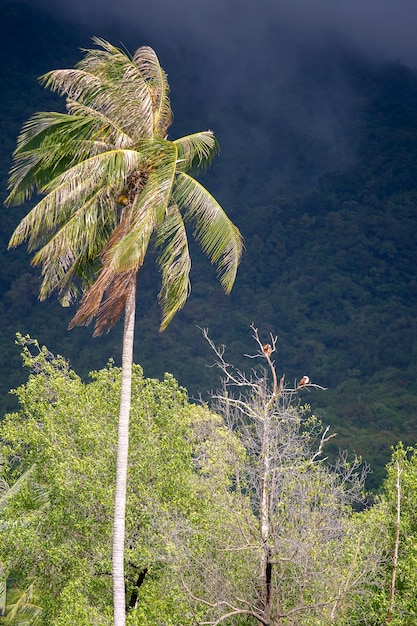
point(329, 217)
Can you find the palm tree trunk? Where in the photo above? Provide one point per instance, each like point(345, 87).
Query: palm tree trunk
point(122, 462)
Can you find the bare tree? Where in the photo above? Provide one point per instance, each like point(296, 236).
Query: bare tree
point(291, 527)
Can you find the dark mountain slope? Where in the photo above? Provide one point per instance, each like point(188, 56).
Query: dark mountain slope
point(329, 215)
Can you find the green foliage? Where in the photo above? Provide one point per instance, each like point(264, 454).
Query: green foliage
point(381, 604)
point(61, 543)
point(190, 511)
point(404, 461)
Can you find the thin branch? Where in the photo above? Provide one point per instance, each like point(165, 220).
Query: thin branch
point(323, 440)
point(233, 610)
point(221, 619)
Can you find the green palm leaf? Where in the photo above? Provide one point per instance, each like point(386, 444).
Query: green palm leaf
point(117, 88)
point(48, 146)
point(156, 80)
point(218, 236)
point(147, 210)
point(21, 609)
point(7, 491)
point(175, 264)
point(68, 252)
point(50, 128)
point(103, 173)
point(196, 151)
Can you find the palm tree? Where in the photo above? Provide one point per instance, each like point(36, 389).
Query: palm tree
point(113, 184)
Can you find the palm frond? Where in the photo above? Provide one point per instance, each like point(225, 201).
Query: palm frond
point(20, 609)
point(48, 145)
point(76, 84)
point(56, 126)
point(111, 309)
point(118, 88)
point(8, 492)
point(126, 103)
point(91, 300)
point(87, 229)
point(157, 83)
point(218, 236)
point(71, 281)
point(71, 225)
point(109, 129)
point(106, 311)
point(196, 151)
point(70, 253)
point(71, 189)
point(129, 251)
point(23, 178)
point(175, 264)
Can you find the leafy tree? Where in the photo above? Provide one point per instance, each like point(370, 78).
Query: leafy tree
point(113, 183)
point(179, 470)
point(393, 599)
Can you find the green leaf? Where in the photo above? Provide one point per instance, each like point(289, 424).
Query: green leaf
point(196, 151)
point(218, 236)
point(175, 264)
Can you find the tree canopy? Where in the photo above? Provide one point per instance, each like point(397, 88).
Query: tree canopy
point(218, 504)
point(66, 431)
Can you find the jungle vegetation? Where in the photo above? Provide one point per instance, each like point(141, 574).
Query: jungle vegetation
point(233, 517)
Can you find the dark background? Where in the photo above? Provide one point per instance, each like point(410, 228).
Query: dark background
point(315, 112)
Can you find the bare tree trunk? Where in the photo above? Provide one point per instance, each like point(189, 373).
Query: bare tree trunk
point(122, 462)
point(266, 483)
point(396, 544)
point(265, 564)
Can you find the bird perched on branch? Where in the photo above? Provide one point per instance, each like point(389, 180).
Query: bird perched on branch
point(267, 349)
point(303, 382)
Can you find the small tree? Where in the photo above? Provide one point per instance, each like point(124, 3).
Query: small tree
point(296, 532)
point(393, 600)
